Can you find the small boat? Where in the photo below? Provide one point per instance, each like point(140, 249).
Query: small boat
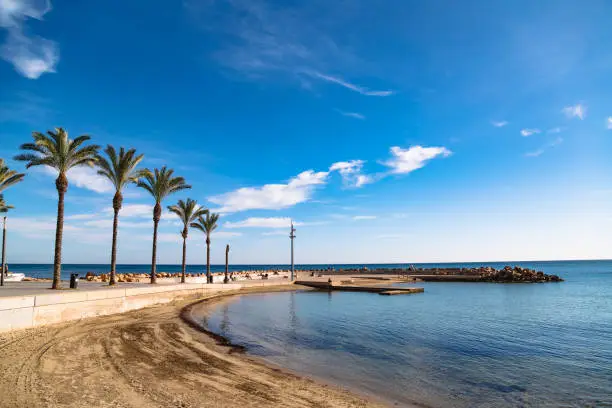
point(14, 277)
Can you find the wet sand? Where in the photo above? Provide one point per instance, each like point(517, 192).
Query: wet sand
point(148, 358)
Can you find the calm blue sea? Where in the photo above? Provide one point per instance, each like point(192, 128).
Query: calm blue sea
point(457, 344)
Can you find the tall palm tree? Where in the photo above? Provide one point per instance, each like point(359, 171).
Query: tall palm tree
point(207, 226)
point(8, 177)
point(4, 208)
point(120, 170)
point(57, 151)
point(160, 183)
point(188, 211)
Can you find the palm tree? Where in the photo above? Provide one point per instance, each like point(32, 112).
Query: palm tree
point(160, 184)
point(120, 170)
point(207, 226)
point(55, 150)
point(4, 208)
point(188, 211)
point(8, 177)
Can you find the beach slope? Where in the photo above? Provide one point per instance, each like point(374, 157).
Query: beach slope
point(146, 358)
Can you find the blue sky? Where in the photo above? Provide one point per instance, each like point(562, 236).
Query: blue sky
point(390, 131)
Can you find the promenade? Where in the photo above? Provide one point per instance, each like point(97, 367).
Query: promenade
point(31, 304)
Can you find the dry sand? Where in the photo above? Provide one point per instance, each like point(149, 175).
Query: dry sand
point(147, 358)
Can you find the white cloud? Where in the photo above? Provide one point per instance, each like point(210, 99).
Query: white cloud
point(351, 173)
point(576, 111)
point(529, 132)
point(364, 217)
point(31, 56)
point(555, 130)
point(542, 149)
point(363, 179)
point(87, 177)
point(500, 123)
point(352, 115)
point(271, 196)
point(134, 210)
point(413, 158)
point(348, 85)
point(255, 222)
point(609, 123)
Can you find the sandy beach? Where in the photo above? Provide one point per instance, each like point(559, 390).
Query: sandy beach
point(148, 358)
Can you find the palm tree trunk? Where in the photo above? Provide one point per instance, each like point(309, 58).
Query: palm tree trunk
point(3, 252)
point(208, 276)
point(117, 203)
point(156, 217)
point(184, 259)
point(154, 256)
point(62, 186)
point(114, 248)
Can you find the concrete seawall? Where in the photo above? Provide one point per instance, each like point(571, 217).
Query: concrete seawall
point(48, 307)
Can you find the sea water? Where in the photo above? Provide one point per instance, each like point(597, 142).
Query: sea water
point(457, 344)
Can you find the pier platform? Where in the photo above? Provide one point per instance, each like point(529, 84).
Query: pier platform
point(383, 290)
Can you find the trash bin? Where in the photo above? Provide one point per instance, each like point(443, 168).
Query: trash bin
point(74, 280)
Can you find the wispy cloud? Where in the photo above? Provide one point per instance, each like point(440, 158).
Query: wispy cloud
point(134, 210)
point(339, 81)
point(529, 132)
point(228, 234)
point(413, 158)
point(275, 233)
point(108, 224)
point(500, 123)
point(263, 41)
point(609, 123)
point(26, 108)
point(256, 222)
point(555, 130)
point(351, 114)
point(364, 217)
point(577, 111)
point(390, 236)
point(541, 150)
point(31, 55)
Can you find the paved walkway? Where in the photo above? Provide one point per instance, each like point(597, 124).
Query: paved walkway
point(41, 288)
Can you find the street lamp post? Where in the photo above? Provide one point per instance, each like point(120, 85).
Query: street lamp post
point(3, 251)
point(292, 237)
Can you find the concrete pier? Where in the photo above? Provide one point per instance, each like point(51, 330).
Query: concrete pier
point(388, 290)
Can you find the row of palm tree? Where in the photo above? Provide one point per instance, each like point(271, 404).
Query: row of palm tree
point(55, 150)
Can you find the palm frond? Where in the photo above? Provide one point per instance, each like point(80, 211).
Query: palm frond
point(206, 224)
point(160, 183)
point(56, 150)
point(187, 211)
point(8, 177)
point(4, 208)
point(119, 169)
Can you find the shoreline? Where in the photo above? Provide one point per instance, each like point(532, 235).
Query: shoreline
point(151, 357)
point(223, 341)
